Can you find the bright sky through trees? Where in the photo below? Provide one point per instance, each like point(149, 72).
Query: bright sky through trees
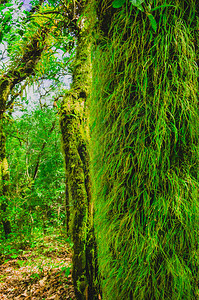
point(33, 94)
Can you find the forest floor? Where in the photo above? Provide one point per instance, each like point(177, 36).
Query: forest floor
point(42, 272)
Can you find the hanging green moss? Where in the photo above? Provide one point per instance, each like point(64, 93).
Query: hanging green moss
point(144, 116)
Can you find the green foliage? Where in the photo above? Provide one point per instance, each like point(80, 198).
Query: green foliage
point(37, 179)
point(118, 3)
point(147, 9)
point(136, 2)
point(144, 114)
point(6, 19)
point(153, 22)
point(36, 173)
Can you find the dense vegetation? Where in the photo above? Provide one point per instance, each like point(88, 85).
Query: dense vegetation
point(111, 161)
point(37, 179)
point(145, 145)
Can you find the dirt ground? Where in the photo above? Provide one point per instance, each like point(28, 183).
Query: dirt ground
point(42, 273)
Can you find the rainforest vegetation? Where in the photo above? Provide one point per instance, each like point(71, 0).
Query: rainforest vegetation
point(99, 149)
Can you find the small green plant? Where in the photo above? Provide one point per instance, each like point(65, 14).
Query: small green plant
point(35, 276)
point(14, 256)
point(141, 5)
point(21, 263)
point(119, 3)
point(66, 271)
point(2, 277)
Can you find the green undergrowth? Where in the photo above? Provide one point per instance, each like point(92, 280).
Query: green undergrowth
point(38, 244)
point(41, 271)
point(144, 114)
point(44, 249)
point(47, 255)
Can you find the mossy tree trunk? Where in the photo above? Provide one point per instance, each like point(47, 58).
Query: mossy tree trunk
point(145, 141)
point(75, 135)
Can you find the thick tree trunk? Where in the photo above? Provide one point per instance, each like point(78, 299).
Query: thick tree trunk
point(145, 141)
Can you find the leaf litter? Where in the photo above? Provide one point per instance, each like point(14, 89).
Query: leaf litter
point(41, 273)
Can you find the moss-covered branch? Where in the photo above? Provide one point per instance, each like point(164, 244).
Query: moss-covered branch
point(20, 69)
